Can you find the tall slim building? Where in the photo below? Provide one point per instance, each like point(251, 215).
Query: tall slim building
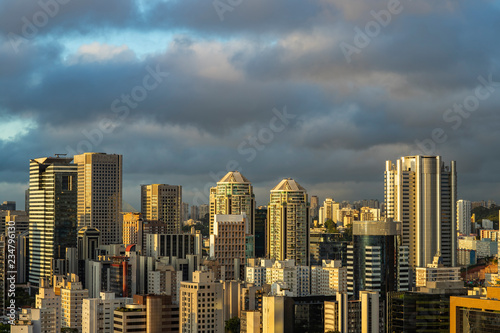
point(162, 202)
point(233, 196)
point(421, 191)
point(314, 209)
point(52, 213)
point(464, 213)
point(100, 194)
point(288, 223)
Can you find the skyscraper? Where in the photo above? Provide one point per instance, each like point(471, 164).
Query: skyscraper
point(420, 192)
point(100, 194)
point(464, 213)
point(232, 196)
point(162, 202)
point(288, 223)
point(52, 217)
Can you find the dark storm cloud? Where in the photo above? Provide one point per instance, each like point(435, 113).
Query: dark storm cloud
point(226, 77)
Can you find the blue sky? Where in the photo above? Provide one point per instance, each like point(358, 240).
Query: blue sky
point(361, 82)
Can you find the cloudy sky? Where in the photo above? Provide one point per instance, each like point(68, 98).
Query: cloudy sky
point(323, 91)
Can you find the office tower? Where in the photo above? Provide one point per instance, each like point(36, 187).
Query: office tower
point(100, 194)
point(99, 312)
point(288, 226)
point(52, 218)
point(475, 313)
point(201, 304)
point(162, 202)
point(314, 209)
point(260, 231)
point(464, 213)
point(50, 307)
point(22, 264)
point(373, 260)
point(130, 228)
point(227, 244)
point(232, 196)
point(420, 192)
point(179, 246)
point(328, 279)
point(88, 240)
point(72, 295)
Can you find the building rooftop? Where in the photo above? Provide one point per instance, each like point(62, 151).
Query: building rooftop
point(234, 177)
point(288, 184)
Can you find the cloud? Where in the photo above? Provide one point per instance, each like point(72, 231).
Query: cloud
point(226, 77)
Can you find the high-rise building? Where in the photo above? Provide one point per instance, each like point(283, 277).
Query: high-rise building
point(260, 231)
point(185, 211)
point(203, 211)
point(420, 192)
point(374, 259)
point(72, 295)
point(201, 304)
point(50, 307)
point(52, 226)
point(330, 211)
point(100, 194)
point(464, 213)
point(233, 196)
point(314, 209)
point(288, 223)
point(162, 202)
point(8, 205)
point(195, 215)
point(328, 279)
point(130, 229)
point(227, 244)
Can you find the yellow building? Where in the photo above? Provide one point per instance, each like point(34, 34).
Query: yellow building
point(130, 228)
point(476, 313)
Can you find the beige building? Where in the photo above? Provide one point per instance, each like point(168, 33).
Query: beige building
point(437, 272)
point(100, 194)
point(233, 195)
point(201, 304)
point(273, 314)
point(328, 279)
point(329, 211)
point(50, 307)
point(162, 202)
point(130, 228)
point(72, 296)
point(227, 244)
point(131, 318)
point(421, 192)
point(288, 223)
point(98, 313)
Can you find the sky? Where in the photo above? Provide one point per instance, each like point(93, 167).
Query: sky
point(323, 91)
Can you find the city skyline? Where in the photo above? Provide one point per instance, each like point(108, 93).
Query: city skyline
point(282, 89)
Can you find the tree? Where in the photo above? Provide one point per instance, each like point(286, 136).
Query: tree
point(4, 328)
point(348, 232)
point(233, 325)
point(331, 226)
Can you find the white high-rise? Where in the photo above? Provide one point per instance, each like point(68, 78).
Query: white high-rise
point(420, 192)
point(100, 194)
point(464, 213)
